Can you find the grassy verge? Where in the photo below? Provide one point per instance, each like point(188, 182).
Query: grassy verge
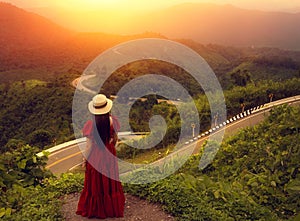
point(255, 176)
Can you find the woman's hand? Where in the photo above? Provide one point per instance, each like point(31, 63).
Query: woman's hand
point(83, 165)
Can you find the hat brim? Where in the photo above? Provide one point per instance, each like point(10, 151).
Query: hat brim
point(102, 110)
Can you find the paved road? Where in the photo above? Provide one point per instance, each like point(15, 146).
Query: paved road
point(77, 83)
point(67, 158)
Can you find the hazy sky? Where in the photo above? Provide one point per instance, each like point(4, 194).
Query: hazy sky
point(123, 16)
point(272, 5)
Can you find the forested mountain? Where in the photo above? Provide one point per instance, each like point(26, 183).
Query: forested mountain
point(202, 22)
point(24, 30)
point(34, 47)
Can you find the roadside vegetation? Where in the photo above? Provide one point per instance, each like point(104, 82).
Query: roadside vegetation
point(249, 96)
point(36, 112)
point(254, 176)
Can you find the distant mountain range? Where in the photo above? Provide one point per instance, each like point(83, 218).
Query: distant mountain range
point(227, 25)
point(204, 23)
point(35, 47)
point(32, 46)
point(22, 29)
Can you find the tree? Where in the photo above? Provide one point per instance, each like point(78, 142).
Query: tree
point(40, 138)
point(241, 78)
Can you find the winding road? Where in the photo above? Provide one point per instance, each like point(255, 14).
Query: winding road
point(67, 156)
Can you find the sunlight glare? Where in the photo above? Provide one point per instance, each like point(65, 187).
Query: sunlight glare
point(90, 4)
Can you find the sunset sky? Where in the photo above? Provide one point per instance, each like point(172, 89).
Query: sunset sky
point(114, 15)
point(153, 4)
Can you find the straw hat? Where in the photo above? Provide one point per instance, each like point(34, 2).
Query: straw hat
point(100, 104)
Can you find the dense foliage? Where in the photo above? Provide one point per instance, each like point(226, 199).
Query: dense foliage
point(255, 176)
point(42, 202)
point(20, 168)
point(251, 95)
point(265, 159)
point(257, 93)
point(36, 112)
point(27, 190)
point(147, 67)
point(246, 70)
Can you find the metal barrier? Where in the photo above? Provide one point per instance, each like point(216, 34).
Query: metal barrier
point(247, 113)
point(206, 133)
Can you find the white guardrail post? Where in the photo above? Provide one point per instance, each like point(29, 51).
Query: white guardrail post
point(231, 120)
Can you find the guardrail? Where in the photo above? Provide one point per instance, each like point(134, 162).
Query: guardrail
point(206, 133)
point(82, 140)
point(245, 114)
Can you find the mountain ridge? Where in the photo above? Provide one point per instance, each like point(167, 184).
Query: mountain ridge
point(202, 22)
point(209, 23)
point(228, 25)
point(23, 29)
point(34, 52)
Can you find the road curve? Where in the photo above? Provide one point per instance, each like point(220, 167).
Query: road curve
point(67, 156)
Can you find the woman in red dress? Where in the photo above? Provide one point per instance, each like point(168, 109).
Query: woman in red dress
point(102, 195)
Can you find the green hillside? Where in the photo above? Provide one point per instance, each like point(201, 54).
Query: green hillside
point(255, 176)
point(256, 68)
point(36, 113)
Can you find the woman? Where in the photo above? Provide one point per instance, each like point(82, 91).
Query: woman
point(102, 195)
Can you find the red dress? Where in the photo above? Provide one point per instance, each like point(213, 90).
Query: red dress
point(102, 195)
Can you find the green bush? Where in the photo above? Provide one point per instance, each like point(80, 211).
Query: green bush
point(200, 198)
point(36, 113)
point(40, 138)
point(28, 190)
point(41, 202)
point(254, 176)
point(265, 159)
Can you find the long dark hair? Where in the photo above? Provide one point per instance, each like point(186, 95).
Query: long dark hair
point(101, 129)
